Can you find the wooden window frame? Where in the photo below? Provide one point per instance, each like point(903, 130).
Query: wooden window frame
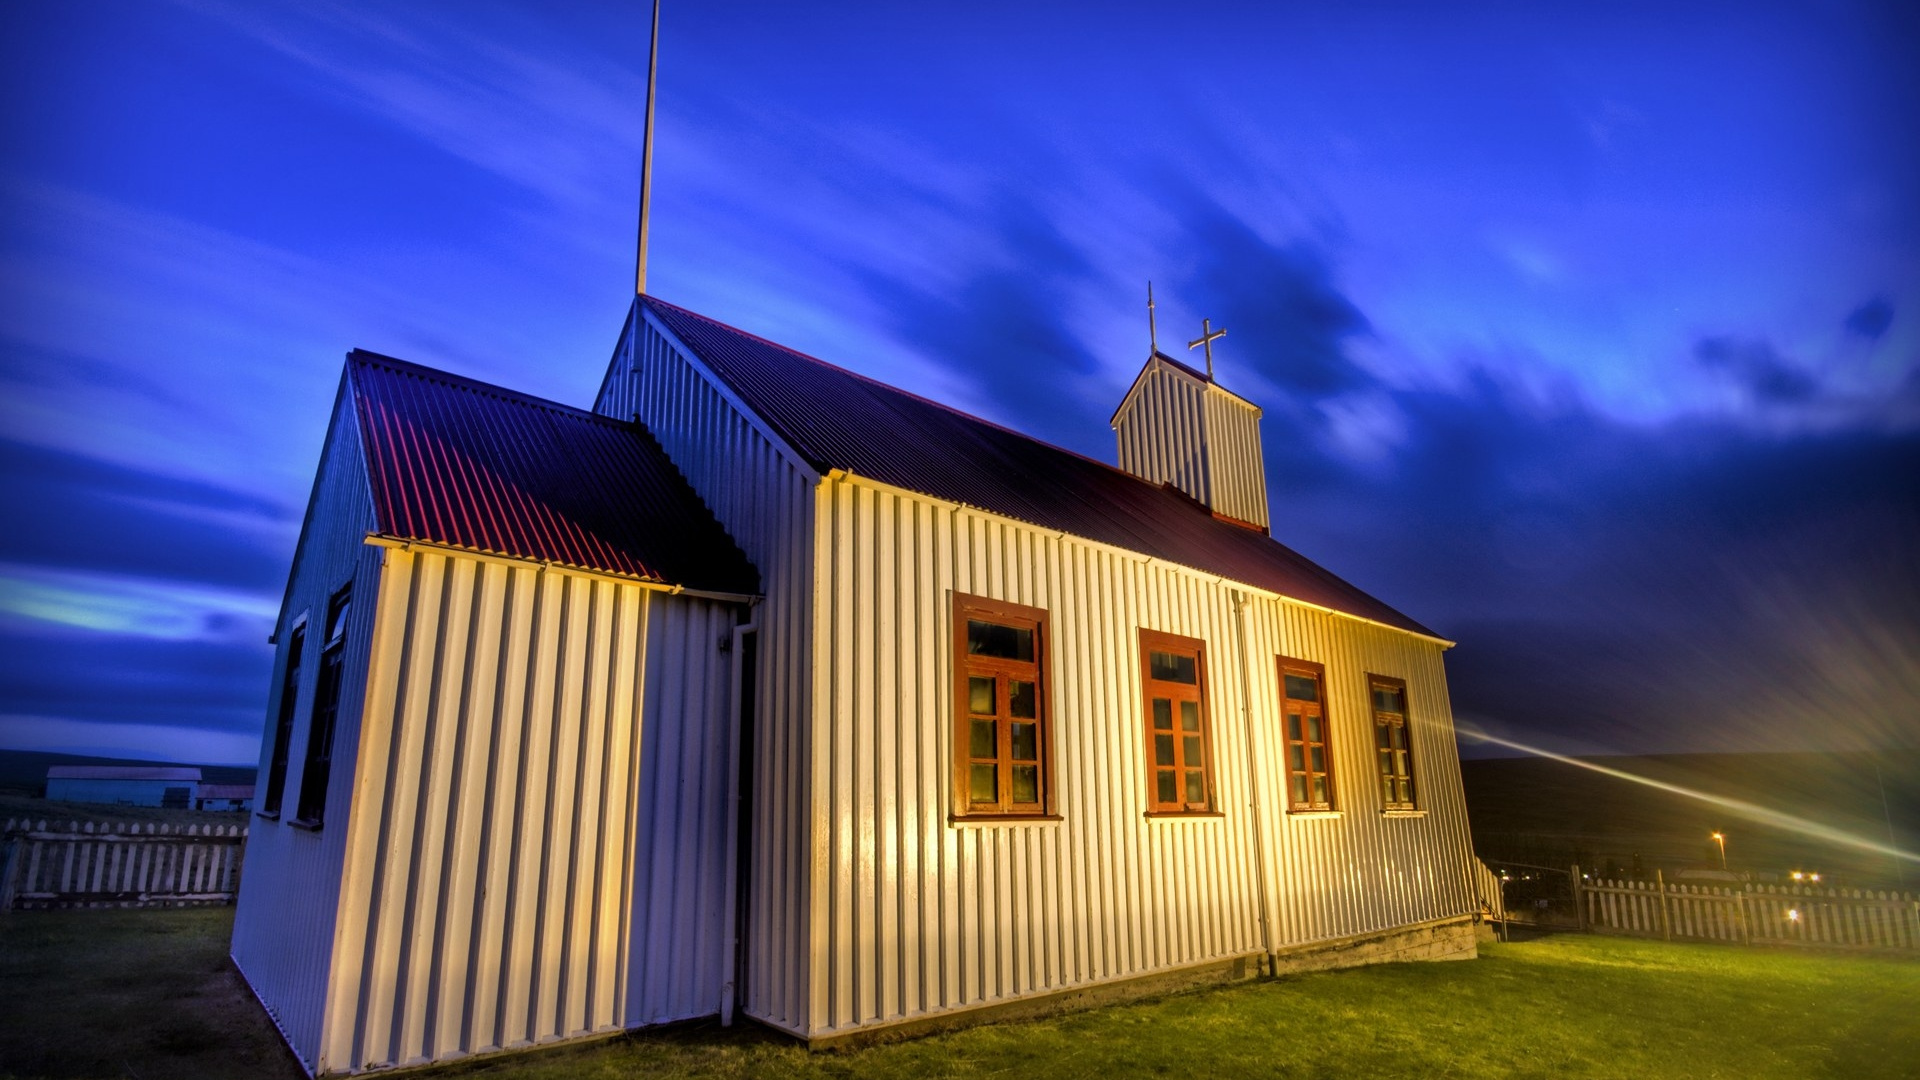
point(968, 607)
point(1287, 665)
point(285, 710)
point(1384, 721)
point(1152, 641)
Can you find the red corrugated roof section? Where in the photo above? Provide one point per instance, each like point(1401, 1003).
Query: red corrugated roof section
point(837, 419)
point(458, 462)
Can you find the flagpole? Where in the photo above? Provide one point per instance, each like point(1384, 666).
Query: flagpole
point(646, 158)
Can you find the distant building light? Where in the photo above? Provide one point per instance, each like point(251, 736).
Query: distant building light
point(1793, 914)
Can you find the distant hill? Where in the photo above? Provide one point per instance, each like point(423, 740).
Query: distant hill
point(27, 769)
point(1545, 812)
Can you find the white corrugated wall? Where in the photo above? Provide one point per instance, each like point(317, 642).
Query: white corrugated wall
point(1162, 433)
point(512, 839)
point(912, 915)
point(1234, 465)
point(764, 497)
point(283, 927)
point(1359, 870)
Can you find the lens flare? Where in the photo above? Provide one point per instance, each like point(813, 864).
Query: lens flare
point(1739, 807)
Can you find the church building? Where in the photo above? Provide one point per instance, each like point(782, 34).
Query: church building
point(764, 687)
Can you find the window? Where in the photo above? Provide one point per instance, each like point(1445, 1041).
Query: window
point(283, 723)
point(1393, 741)
point(1003, 735)
point(1174, 673)
point(1309, 759)
point(326, 712)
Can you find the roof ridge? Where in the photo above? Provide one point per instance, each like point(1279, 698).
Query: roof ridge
point(414, 369)
point(890, 388)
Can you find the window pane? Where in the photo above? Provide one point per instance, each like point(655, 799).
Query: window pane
point(1313, 729)
point(337, 609)
point(1190, 716)
point(981, 741)
point(1381, 738)
point(1163, 749)
point(986, 784)
point(1397, 736)
point(1026, 742)
point(980, 695)
point(1386, 784)
point(1320, 790)
point(1303, 688)
point(1293, 725)
point(1169, 786)
point(1163, 714)
point(1020, 699)
point(1319, 759)
point(1389, 699)
point(1026, 783)
point(1192, 749)
point(1298, 757)
point(1004, 642)
point(1299, 788)
point(1172, 667)
point(1196, 788)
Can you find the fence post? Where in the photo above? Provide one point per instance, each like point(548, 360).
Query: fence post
point(1666, 926)
point(1579, 901)
point(1740, 915)
point(9, 855)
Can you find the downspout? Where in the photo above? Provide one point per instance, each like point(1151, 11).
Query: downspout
point(1253, 769)
point(729, 955)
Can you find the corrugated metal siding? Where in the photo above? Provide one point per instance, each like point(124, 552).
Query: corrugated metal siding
point(475, 466)
point(1234, 467)
point(283, 930)
point(680, 869)
point(1162, 432)
point(912, 915)
point(1361, 871)
point(765, 500)
point(491, 887)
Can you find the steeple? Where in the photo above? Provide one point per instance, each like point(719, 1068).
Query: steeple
point(1178, 426)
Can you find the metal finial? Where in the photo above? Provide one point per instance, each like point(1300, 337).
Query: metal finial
point(1153, 336)
point(646, 158)
point(1208, 335)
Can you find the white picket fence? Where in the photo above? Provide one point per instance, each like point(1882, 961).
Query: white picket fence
point(1755, 913)
point(122, 864)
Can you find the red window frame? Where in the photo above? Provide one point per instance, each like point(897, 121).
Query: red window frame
point(1306, 727)
point(1173, 734)
point(1015, 758)
point(1392, 741)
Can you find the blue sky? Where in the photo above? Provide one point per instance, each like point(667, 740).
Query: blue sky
point(1589, 337)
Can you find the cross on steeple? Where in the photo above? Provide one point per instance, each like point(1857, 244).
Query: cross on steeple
point(1208, 335)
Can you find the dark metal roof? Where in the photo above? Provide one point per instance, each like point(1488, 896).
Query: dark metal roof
point(837, 419)
point(458, 462)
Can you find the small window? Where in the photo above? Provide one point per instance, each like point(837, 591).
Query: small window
point(1179, 754)
point(1003, 735)
point(1309, 751)
point(326, 712)
point(283, 721)
point(1393, 741)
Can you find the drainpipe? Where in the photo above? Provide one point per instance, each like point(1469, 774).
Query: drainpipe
point(729, 963)
point(1253, 767)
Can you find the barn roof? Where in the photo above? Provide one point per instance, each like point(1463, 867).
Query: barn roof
point(463, 463)
point(837, 419)
point(177, 774)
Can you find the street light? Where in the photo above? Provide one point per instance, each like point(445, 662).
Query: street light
point(1721, 839)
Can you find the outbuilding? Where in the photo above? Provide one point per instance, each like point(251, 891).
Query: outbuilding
point(168, 786)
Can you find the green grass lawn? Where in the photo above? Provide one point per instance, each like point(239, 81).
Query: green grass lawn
point(147, 994)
